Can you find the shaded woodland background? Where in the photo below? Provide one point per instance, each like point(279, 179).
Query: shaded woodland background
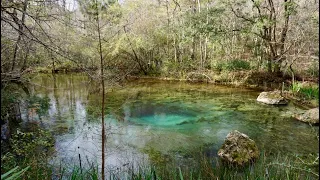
point(167, 38)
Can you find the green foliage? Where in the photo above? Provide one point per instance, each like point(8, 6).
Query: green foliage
point(38, 166)
point(91, 8)
point(75, 172)
point(7, 100)
point(291, 8)
point(295, 87)
point(29, 149)
point(180, 173)
point(266, 167)
point(43, 69)
point(238, 65)
point(41, 105)
point(114, 13)
point(206, 22)
point(313, 69)
point(145, 173)
point(11, 95)
point(307, 92)
point(156, 157)
point(9, 176)
point(233, 65)
point(315, 19)
point(27, 143)
point(67, 65)
point(177, 70)
point(93, 111)
point(310, 92)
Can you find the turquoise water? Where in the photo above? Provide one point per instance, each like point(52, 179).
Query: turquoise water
point(167, 117)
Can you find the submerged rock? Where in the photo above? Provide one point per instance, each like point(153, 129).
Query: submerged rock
point(238, 149)
point(310, 116)
point(272, 97)
point(202, 119)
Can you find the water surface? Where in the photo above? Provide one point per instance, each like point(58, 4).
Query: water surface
point(144, 116)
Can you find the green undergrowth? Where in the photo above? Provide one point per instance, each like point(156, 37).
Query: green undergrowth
point(232, 65)
point(30, 152)
point(305, 92)
point(29, 149)
point(266, 167)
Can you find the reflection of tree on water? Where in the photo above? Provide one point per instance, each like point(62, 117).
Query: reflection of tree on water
point(65, 96)
point(56, 97)
point(71, 99)
point(93, 100)
point(210, 116)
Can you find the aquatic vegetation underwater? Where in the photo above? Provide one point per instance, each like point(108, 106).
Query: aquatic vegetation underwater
point(162, 130)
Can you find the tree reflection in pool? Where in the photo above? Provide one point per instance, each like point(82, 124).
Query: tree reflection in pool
point(169, 118)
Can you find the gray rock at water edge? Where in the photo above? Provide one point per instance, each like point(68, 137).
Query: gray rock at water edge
point(311, 116)
point(5, 131)
point(272, 97)
point(238, 149)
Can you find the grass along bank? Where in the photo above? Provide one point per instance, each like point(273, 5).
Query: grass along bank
point(268, 166)
point(30, 153)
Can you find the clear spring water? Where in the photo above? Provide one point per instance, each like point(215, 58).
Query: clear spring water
point(170, 118)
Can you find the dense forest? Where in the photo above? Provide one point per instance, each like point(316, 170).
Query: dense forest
point(163, 38)
point(267, 44)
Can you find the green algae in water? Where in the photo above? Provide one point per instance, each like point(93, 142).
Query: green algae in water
point(167, 116)
point(160, 114)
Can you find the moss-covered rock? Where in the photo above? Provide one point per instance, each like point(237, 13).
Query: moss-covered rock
point(310, 116)
point(238, 149)
point(272, 97)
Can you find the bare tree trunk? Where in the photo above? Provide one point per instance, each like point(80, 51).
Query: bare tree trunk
point(103, 94)
point(283, 39)
point(168, 19)
point(200, 50)
point(15, 53)
point(175, 49)
point(200, 39)
point(135, 54)
point(53, 64)
point(206, 36)
point(205, 50)
point(193, 53)
point(25, 5)
point(25, 59)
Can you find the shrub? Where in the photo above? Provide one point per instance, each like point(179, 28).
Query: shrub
point(29, 149)
point(26, 144)
point(237, 65)
point(233, 65)
point(313, 70)
point(295, 87)
point(310, 92)
point(218, 66)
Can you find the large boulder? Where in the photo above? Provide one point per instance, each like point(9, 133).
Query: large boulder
point(238, 149)
point(311, 116)
point(272, 97)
